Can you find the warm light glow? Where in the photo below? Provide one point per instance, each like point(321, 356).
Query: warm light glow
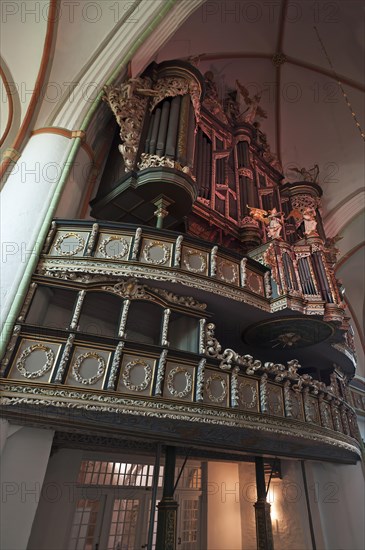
point(274, 512)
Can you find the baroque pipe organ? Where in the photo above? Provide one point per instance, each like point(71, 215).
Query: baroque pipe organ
point(125, 314)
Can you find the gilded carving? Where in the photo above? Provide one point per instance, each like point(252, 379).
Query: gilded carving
point(213, 261)
point(165, 327)
point(136, 243)
point(161, 372)
point(200, 380)
point(156, 244)
point(234, 387)
point(71, 250)
point(188, 382)
point(19, 394)
point(115, 366)
point(267, 283)
point(194, 253)
point(243, 271)
point(92, 239)
point(126, 374)
point(172, 86)
point(263, 394)
point(228, 265)
point(212, 346)
point(65, 358)
point(76, 367)
point(247, 392)
point(77, 311)
point(202, 324)
point(128, 103)
point(208, 383)
point(123, 319)
point(155, 161)
point(21, 362)
point(123, 244)
point(178, 248)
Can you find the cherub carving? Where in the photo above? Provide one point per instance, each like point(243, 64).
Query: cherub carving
point(253, 108)
point(308, 217)
point(272, 218)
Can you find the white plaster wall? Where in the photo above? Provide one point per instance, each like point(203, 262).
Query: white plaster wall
point(24, 203)
point(224, 514)
point(337, 501)
point(248, 497)
point(23, 466)
point(56, 507)
point(76, 187)
point(288, 509)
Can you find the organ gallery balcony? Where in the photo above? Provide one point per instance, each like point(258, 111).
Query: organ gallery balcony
point(127, 326)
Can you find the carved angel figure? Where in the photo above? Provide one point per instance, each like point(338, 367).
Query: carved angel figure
point(310, 223)
point(272, 218)
point(308, 217)
point(253, 108)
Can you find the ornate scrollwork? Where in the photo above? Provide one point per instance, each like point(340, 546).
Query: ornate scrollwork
point(155, 161)
point(165, 327)
point(78, 306)
point(212, 346)
point(21, 362)
point(234, 387)
point(126, 375)
point(65, 358)
point(188, 382)
point(136, 243)
point(156, 244)
point(186, 261)
point(75, 250)
point(171, 86)
point(200, 380)
point(161, 371)
point(220, 398)
point(243, 271)
point(213, 261)
point(178, 248)
point(128, 103)
point(123, 245)
point(115, 365)
point(78, 363)
point(92, 239)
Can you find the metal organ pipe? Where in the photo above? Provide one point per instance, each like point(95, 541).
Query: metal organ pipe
point(162, 131)
point(155, 127)
point(183, 130)
point(173, 127)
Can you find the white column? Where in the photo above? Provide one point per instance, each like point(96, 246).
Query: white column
point(24, 203)
point(23, 466)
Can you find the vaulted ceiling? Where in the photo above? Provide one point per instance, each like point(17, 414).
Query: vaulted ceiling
point(294, 53)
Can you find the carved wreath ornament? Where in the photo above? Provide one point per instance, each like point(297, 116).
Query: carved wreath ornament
point(21, 363)
point(72, 250)
point(126, 376)
point(156, 244)
point(187, 264)
point(220, 398)
point(77, 366)
point(188, 382)
point(124, 247)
